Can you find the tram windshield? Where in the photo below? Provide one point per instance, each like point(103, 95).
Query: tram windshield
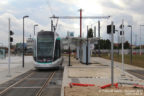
point(45, 44)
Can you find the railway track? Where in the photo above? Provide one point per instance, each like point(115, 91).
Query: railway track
point(39, 93)
point(8, 88)
point(33, 84)
point(137, 73)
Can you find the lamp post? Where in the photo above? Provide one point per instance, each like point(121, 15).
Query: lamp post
point(131, 42)
point(34, 28)
point(140, 39)
point(87, 48)
point(23, 42)
point(99, 39)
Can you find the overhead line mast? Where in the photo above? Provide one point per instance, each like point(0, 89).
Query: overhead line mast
point(80, 17)
point(77, 17)
point(80, 22)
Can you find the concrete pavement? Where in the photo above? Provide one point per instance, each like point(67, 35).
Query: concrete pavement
point(16, 67)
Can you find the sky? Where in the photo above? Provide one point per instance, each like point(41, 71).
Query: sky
point(40, 11)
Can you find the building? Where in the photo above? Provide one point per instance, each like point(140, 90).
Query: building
point(30, 43)
point(65, 44)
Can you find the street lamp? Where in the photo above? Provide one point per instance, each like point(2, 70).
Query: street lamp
point(131, 41)
point(87, 48)
point(140, 39)
point(23, 41)
point(34, 28)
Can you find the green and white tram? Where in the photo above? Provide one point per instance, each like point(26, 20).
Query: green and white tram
point(47, 50)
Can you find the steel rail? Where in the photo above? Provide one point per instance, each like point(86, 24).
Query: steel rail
point(8, 88)
point(39, 93)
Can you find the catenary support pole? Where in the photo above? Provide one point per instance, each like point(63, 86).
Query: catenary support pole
point(23, 45)
point(122, 47)
point(118, 42)
point(52, 25)
point(131, 45)
point(69, 49)
point(23, 42)
point(80, 23)
point(87, 48)
point(99, 38)
point(112, 62)
point(9, 60)
point(94, 31)
point(140, 39)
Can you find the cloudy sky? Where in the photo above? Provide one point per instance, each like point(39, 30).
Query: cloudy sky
point(39, 11)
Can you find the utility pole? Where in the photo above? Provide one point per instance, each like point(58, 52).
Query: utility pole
point(135, 39)
point(69, 48)
point(111, 31)
point(99, 38)
point(122, 47)
point(112, 62)
point(69, 53)
point(9, 59)
point(52, 25)
point(80, 22)
point(118, 44)
point(131, 43)
point(94, 31)
point(87, 48)
point(140, 40)
point(118, 41)
point(23, 42)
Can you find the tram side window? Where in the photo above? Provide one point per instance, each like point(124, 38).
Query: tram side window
point(57, 50)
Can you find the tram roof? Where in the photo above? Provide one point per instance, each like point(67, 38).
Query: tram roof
point(45, 33)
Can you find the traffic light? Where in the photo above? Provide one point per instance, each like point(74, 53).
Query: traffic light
point(121, 26)
point(121, 33)
point(11, 33)
point(109, 29)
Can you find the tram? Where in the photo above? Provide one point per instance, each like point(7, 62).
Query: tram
point(47, 50)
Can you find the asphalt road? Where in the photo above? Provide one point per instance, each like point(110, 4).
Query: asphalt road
point(31, 85)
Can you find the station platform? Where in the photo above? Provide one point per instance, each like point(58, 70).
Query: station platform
point(97, 73)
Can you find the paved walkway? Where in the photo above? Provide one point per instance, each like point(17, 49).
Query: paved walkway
point(15, 67)
point(116, 64)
